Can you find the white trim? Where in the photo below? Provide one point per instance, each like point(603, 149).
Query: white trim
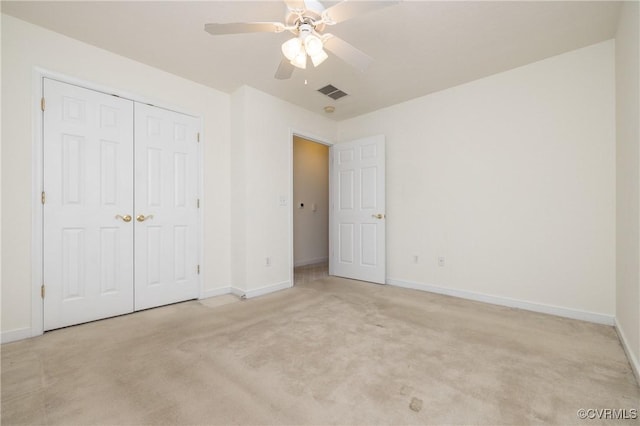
point(317, 260)
point(313, 138)
point(13, 335)
point(37, 305)
point(256, 292)
point(332, 217)
point(37, 222)
point(203, 269)
point(213, 292)
point(63, 78)
point(506, 301)
point(237, 292)
point(633, 359)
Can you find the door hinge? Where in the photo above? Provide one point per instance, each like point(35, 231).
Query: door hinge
point(43, 197)
point(198, 136)
point(42, 291)
point(198, 203)
point(198, 269)
point(42, 104)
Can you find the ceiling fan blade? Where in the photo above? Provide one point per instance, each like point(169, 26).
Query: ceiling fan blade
point(244, 27)
point(348, 9)
point(295, 4)
point(285, 69)
point(347, 52)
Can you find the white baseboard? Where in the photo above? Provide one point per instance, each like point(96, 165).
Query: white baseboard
point(505, 301)
point(13, 335)
point(213, 292)
point(262, 290)
point(237, 291)
point(633, 358)
point(311, 261)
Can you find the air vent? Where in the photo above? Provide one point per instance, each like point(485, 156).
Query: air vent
point(332, 92)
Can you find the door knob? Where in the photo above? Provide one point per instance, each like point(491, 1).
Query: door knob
point(125, 218)
point(142, 218)
point(377, 216)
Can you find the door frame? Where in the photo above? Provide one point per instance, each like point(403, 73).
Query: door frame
point(317, 139)
point(37, 181)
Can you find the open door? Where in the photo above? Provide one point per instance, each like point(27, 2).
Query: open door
point(357, 215)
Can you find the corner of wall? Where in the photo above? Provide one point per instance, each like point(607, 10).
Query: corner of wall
point(631, 356)
point(627, 64)
point(238, 196)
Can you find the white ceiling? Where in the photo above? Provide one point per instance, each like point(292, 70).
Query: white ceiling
point(418, 47)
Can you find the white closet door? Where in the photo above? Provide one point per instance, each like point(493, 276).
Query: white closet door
point(357, 236)
point(166, 193)
point(88, 182)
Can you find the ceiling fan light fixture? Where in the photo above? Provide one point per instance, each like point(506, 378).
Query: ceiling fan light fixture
point(307, 20)
point(292, 48)
point(313, 45)
point(319, 58)
point(300, 60)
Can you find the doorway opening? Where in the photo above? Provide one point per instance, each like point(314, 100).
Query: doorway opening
point(310, 205)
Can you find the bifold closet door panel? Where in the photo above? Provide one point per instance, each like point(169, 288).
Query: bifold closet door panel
point(166, 207)
point(88, 185)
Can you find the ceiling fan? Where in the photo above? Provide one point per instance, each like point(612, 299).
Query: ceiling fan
point(306, 20)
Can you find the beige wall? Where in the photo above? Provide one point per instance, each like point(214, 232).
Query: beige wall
point(25, 46)
point(261, 163)
point(310, 186)
point(628, 180)
point(511, 179)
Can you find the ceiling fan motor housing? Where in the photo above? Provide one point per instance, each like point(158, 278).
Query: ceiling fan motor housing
point(310, 15)
point(305, 30)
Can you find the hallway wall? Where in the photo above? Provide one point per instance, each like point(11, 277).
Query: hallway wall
point(310, 187)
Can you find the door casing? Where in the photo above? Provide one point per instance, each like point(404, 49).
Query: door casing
point(37, 183)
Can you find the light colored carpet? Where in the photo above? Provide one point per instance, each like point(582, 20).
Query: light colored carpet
point(308, 273)
point(332, 351)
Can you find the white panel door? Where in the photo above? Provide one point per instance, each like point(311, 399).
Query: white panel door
point(88, 184)
point(358, 210)
point(166, 209)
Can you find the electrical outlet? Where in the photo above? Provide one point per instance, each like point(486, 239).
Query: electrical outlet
point(441, 261)
point(282, 200)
